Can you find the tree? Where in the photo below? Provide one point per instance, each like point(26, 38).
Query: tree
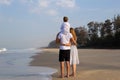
point(82, 36)
point(102, 28)
point(107, 27)
point(116, 24)
point(93, 29)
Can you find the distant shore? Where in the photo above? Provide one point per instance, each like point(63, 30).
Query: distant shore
point(95, 64)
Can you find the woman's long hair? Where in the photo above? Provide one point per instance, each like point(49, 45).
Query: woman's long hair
point(72, 31)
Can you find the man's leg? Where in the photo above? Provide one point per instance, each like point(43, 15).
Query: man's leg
point(62, 69)
point(68, 68)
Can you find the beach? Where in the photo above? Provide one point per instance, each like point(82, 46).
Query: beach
point(95, 64)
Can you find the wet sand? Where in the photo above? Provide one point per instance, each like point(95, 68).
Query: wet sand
point(95, 64)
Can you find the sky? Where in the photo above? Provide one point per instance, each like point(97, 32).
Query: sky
point(35, 23)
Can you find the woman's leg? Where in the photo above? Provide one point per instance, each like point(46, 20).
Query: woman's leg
point(74, 70)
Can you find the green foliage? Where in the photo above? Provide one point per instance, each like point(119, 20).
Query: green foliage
point(117, 39)
point(109, 34)
point(82, 36)
point(116, 23)
point(99, 35)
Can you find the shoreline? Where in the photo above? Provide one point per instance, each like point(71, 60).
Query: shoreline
point(95, 64)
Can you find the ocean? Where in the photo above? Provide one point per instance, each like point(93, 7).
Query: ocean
point(14, 65)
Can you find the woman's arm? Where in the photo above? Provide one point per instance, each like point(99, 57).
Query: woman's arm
point(73, 41)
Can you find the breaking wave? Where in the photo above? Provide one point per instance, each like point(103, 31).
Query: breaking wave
point(3, 49)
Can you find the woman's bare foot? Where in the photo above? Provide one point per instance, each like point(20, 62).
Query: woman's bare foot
point(61, 76)
point(67, 76)
point(73, 75)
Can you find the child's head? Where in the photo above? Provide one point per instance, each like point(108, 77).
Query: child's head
point(65, 19)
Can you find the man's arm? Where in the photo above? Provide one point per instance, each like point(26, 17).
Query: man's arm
point(68, 44)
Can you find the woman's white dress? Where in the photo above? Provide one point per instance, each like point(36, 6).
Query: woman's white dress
point(74, 59)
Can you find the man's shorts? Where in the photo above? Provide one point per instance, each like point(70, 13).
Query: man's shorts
point(64, 55)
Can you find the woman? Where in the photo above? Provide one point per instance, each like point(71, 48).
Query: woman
point(73, 54)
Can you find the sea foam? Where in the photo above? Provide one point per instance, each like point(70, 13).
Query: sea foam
point(3, 49)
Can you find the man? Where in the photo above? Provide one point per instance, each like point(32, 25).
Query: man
point(64, 51)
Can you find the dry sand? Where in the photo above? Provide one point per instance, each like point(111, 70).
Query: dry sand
point(95, 64)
